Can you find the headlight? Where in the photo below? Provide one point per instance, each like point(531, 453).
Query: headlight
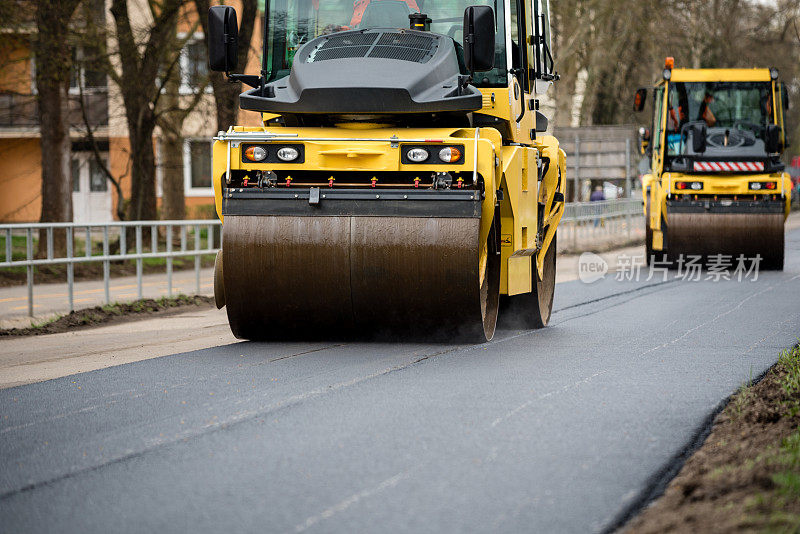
point(255, 153)
point(432, 154)
point(682, 186)
point(417, 155)
point(288, 153)
point(757, 186)
point(450, 154)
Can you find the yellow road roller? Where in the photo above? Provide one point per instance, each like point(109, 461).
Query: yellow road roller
point(717, 186)
point(400, 182)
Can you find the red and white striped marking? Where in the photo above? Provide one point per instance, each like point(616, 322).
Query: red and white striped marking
point(728, 166)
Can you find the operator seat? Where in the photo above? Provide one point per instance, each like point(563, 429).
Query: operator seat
point(385, 14)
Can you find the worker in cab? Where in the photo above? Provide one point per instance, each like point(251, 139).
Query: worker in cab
point(705, 113)
point(382, 13)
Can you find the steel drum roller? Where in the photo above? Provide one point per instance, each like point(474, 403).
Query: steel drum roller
point(732, 234)
point(301, 277)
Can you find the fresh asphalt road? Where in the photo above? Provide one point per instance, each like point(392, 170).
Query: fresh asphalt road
point(557, 430)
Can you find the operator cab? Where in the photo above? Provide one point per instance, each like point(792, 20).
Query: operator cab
point(332, 61)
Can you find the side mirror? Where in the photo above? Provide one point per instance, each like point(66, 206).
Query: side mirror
point(479, 38)
point(785, 94)
point(699, 133)
point(223, 39)
point(773, 138)
point(639, 99)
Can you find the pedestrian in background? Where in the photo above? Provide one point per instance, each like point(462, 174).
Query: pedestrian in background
point(596, 196)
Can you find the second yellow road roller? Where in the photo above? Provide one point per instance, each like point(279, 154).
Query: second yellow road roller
point(400, 182)
point(717, 186)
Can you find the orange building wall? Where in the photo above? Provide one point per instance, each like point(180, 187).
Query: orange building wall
point(15, 65)
point(20, 180)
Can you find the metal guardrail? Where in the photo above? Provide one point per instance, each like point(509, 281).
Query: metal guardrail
point(606, 209)
point(140, 240)
point(128, 240)
point(588, 224)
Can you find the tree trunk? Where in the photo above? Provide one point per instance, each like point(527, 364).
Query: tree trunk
point(143, 173)
point(53, 60)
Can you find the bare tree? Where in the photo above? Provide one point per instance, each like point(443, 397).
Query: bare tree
point(140, 78)
point(171, 117)
point(226, 94)
point(53, 61)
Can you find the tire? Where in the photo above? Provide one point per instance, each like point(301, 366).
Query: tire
point(532, 310)
point(219, 282)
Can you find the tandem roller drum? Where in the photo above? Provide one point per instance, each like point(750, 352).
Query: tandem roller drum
point(288, 277)
point(706, 234)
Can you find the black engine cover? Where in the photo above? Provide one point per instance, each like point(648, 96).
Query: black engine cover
point(369, 72)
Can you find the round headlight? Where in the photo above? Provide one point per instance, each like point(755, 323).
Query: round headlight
point(255, 153)
point(449, 154)
point(417, 155)
point(697, 186)
point(755, 185)
point(288, 153)
point(667, 74)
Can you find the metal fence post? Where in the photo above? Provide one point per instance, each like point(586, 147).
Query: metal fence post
point(9, 241)
point(576, 197)
point(628, 168)
point(106, 266)
point(169, 260)
point(197, 258)
point(50, 243)
point(29, 254)
point(139, 261)
point(70, 272)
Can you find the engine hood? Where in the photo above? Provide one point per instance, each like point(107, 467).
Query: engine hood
point(369, 72)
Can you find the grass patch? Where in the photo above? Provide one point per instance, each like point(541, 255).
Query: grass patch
point(111, 313)
point(746, 476)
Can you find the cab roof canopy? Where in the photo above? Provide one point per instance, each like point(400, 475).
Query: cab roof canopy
point(721, 75)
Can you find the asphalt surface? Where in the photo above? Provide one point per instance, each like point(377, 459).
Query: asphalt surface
point(557, 430)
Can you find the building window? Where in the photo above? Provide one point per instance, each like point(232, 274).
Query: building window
point(87, 69)
point(197, 167)
point(76, 175)
point(194, 65)
point(97, 178)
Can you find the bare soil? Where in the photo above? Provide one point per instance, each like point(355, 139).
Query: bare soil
point(733, 483)
point(115, 313)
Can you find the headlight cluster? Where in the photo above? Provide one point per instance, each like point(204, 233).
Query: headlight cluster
point(273, 153)
point(694, 186)
point(757, 186)
point(432, 155)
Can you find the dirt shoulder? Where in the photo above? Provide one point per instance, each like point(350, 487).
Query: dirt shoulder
point(113, 314)
point(746, 475)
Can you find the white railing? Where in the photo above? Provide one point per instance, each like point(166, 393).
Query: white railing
point(590, 225)
point(166, 239)
point(140, 240)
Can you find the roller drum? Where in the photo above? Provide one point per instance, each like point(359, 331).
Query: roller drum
point(706, 234)
point(311, 277)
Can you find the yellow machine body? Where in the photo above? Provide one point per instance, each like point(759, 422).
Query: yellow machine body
point(663, 188)
point(401, 181)
point(513, 170)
